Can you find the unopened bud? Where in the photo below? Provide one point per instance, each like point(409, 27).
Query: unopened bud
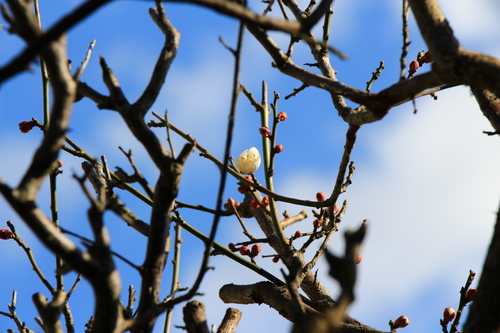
point(359, 258)
point(282, 116)
point(231, 202)
point(256, 248)
point(414, 66)
point(6, 234)
point(276, 259)
point(265, 201)
point(320, 196)
point(232, 247)
point(470, 295)
point(427, 57)
point(254, 204)
point(244, 250)
point(449, 314)
point(278, 149)
point(317, 223)
point(297, 234)
point(265, 132)
point(26, 126)
point(243, 189)
point(401, 322)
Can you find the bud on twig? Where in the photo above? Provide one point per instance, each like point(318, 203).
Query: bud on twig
point(320, 196)
point(401, 322)
point(449, 314)
point(6, 234)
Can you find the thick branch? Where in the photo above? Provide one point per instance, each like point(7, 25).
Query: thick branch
point(484, 315)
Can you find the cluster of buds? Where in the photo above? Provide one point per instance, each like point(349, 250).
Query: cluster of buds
point(6, 234)
point(254, 204)
point(422, 58)
point(244, 188)
point(448, 315)
point(401, 322)
point(231, 205)
point(245, 251)
point(26, 126)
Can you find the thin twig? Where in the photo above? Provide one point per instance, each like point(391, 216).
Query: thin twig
point(85, 61)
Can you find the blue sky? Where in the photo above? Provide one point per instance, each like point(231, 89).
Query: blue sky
point(427, 183)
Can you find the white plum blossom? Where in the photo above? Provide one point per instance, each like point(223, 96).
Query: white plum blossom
point(249, 161)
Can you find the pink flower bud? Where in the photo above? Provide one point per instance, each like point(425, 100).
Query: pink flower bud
point(401, 322)
point(359, 258)
point(26, 126)
point(414, 66)
point(265, 132)
point(282, 116)
point(244, 250)
point(265, 201)
point(320, 196)
point(254, 204)
point(231, 202)
point(449, 314)
point(297, 234)
point(256, 248)
point(59, 163)
point(336, 209)
point(317, 223)
point(278, 149)
point(6, 234)
point(470, 295)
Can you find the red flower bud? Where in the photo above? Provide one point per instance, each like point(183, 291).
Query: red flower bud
point(317, 223)
point(265, 132)
point(231, 202)
point(254, 204)
point(26, 126)
point(232, 247)
point(320, 196)
point(60, 163)
point(243, 189)
point(401, 322)
point(336, 209)
point(276, 259)
point(265, 201)
point(297, 234)
point(359, 258)
point(470, 294)
point(449, 314)
point(413, 67)
point(426, 58)
point(6, 234)
point(278, 149)
point(244, 250)
point(256, 248)
point(282, 116)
